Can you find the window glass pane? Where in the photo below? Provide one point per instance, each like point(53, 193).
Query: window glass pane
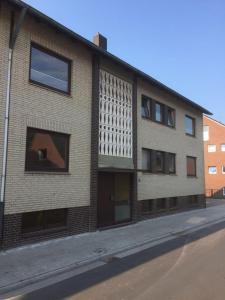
point(212, 170)
point(46, 151)
point(171, 117)
point(146, 107)
point(223, 147)
point(55, 218)
point(189, 125)
point(159, 161)
point(158, 112)
point(171, 163)
point(33, 221)
point(146, 159)
point(191, 166)
point(205, 133)
point(49, 70)
point(211, 148)
point(223, 169)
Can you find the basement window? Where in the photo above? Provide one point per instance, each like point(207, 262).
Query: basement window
point(42, 220)
point(47, 151)
point(50, 69)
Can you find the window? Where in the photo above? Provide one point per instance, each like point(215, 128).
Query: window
point(223, 147)
point(172, 202)
point(145, 107)
point(147, 206)
point(50, 69)
point(146, 159)
point(161, 203)
point(170, 117)
point(224, 191)
point(189, 126)
point(191, 166)
point(172, 163)
point(223, 169)
point(211, 148)
point(159, 112)
point(212, 170)
point(160, 161)
point(41, 220)
point(47, 151)
point(205, 133)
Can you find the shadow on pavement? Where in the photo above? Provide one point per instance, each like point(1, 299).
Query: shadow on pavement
point(78, 283)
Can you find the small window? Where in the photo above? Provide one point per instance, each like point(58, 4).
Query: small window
point(159, 112)
point(172, 202)
point(170, 117)
point(191, 166)
point(47, 151)
point(50, 69)
point(223, 169)
point(211, 148)
point(223, 147)
point(189, 126)
point(205, 133)
point(146, 107)
point(146, 159)
point(160, 161)
point(42, 220)
point(172, 163)
point(212, 170)
point(161, 204)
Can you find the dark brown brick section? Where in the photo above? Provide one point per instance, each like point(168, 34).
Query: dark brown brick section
point(77, 222)
point(183, 203)
point(94, 144)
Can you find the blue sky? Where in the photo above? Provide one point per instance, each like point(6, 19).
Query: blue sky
point(180, 43)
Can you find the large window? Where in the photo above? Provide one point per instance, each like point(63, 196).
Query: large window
point(191, 166)
point(47, 151)
point(146, 159)
point(189, 125)
point(50, 69)
point(159, 112)
point(41, 220)
point(145, 107)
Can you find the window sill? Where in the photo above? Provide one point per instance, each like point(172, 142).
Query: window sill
point(157, 122)
point(45, 173)
point(192, 176)
point(44, 232)
point(50, 89)
point(191, 135)
point(156, 173)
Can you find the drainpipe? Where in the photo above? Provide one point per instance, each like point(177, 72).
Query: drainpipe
point(13, 36)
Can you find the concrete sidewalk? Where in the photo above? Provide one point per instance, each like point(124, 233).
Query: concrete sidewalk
point(28, 265)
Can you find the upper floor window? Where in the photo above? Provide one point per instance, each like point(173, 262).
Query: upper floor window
point(47, 151)
point(212, 169)
point(159, 161)
point(50, 69)
point(170, 117)
point(145, 107)
point(189, 125)
point(211, 148)
point(159, 112)
point(191, 166)
point(205, 133)
point(171, 163)
point(223, 147)
point(146, 159)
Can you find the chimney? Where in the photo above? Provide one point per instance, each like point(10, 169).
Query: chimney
point(100, 41)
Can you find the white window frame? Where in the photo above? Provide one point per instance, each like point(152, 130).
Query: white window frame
point(221, 147)
point(211, 172)
point(214, 148)
point(205, 133)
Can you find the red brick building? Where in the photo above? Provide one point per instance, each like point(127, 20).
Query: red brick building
point(214, 152)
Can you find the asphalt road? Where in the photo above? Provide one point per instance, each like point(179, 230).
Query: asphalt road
point(189, 267)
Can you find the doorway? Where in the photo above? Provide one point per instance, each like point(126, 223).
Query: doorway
point(114, 198)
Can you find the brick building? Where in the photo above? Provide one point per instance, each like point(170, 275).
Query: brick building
point(86, 140)
point(214, 154)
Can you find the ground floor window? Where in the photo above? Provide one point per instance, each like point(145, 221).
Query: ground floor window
point(46, 219)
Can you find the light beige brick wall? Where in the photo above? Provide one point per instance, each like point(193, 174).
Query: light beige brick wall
point(155, 136)
point(34, 106)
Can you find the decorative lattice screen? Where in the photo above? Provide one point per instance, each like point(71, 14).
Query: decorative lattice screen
point(115, 116)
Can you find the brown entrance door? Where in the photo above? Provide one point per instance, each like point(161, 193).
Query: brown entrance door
point(105, 199)
point(114, 198)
